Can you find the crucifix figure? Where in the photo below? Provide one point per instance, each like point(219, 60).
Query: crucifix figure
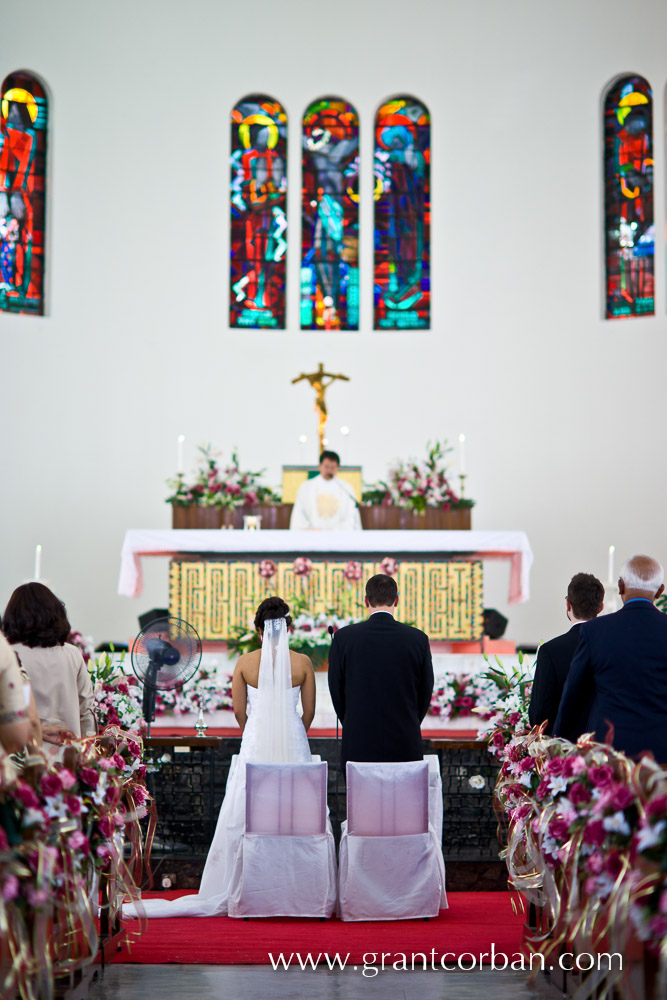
point(317, 380)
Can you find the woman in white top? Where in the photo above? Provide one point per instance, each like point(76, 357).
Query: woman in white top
point(35, 623)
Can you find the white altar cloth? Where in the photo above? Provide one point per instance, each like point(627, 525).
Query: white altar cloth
point(511, 545)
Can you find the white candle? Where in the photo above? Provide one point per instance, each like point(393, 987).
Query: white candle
point(610, 578)
point(38, 562)
point(462, 464)
point(179, 454)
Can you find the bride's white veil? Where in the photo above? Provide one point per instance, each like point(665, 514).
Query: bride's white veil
point(275, 711)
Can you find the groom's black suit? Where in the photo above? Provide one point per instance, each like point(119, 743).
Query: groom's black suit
point(381, 681)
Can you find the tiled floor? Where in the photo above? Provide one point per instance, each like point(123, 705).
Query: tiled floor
point(250, 982)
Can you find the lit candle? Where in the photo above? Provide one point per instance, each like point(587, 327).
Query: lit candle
point(612, 549)
point(462, 442)
point(179, 454)
point(38, 561)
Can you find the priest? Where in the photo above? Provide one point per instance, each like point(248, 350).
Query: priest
point(326, 503)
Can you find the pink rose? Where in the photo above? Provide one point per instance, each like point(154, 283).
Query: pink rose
point(105, 763)
point(90, 776)
point(74, 804)
point(542, 790)
point(122, 688)
point(621, 798)
point(104, 827)
point(140, 794)
point(513, 718)
point(498, 739)
point(51, 784)
point(559, 828)
point(353, 571)
point(78, 841)
point(389, 565)
point(103, 851)
point(133, 749)
point(595, 863)
point(554, 766)
point(267, 569)
point(527, 764)
point(141, 771)
point(25, 794)
point(37, 897)
point(601, 776)
point(594, 833)
point(118, 762)
point(302, 566)
point(579, 794)
point(67, 779)
point(10, 888)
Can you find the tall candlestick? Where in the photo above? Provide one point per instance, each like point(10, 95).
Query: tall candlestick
point(612, 549)
point(38, 562)
point(179, 454)
point(462, 441)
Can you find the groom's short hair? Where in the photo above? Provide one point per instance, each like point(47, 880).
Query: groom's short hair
point(381, 591)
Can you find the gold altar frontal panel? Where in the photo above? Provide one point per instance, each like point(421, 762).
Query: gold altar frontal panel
point(443, 598)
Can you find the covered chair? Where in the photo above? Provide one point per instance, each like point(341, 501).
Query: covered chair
point(391, 864)
point(285, 864)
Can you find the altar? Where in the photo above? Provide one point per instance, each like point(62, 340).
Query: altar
point(217, 578)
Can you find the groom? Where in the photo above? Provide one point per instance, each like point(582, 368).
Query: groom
point(381, 681)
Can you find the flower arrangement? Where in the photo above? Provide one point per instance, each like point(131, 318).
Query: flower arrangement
point(457, 696)
point(203, 691)
point(62, 824)
point(587, 841)
point(84, 643)
point(416, 485)
point(117, 694)
point(511, 689)
point(214, 486)
point(309, 631)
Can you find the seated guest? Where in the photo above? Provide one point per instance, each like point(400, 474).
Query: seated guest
point(585, 597)
point(35, 623)
point(15, 727)
point(619, 670)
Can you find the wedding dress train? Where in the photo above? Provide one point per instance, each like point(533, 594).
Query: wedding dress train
point(273, 733)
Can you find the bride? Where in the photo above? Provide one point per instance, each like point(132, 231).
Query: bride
point(265, 690)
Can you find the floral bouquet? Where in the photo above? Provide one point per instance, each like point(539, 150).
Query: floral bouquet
point(214, 486)
point(511, 695)
point(460, 695)
point(416, 485)
point(117, 694)
point(202, 691)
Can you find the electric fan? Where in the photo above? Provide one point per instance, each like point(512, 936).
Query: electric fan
point(165, 655)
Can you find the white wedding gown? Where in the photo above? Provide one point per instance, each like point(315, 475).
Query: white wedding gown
point(211, 900)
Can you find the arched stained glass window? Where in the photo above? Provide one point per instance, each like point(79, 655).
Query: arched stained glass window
point(258, 213)
point(23, 135)
point(402, 215)
point(330, 217)
point(628, 178)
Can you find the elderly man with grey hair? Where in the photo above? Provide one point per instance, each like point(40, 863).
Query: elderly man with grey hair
point(618, 678)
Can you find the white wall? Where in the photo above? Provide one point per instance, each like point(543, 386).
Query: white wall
point(136, 347)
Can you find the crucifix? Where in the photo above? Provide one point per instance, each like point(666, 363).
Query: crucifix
point(316, 380)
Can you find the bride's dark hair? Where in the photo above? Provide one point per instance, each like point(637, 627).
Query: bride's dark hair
point(272, 607)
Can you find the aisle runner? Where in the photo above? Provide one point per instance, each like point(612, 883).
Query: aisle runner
point(473, 922)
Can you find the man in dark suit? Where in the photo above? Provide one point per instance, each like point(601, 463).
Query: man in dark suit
point(585, 597)
point(381, 681)
point(619, 671)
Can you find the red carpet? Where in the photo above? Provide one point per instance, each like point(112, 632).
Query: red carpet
point(428, 734)
point(473, 922)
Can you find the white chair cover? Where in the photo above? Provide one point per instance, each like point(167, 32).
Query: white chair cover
point(435, 806)
point(285, 864)
point(390, 862)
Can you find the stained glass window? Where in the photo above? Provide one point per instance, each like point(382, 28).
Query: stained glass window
point(258, 213)
point(330, 217)
point(402, 215)
point(628, 176)
point(23, 134)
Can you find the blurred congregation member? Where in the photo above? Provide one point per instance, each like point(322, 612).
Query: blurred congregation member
point(35, 623)
point(585, 598)
point(619, 671)
point(15, 727)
